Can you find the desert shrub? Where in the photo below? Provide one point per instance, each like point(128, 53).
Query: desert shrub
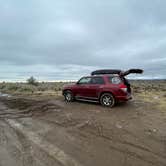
point(40, 88)
point(12, 87)
point(2, 86)
point(32, 81)
point(27, 88)
point(9, 87)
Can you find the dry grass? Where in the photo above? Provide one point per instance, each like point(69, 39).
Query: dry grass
point(24, 88)
point(151, 91)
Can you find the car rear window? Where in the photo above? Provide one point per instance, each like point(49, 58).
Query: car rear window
point(115, 80)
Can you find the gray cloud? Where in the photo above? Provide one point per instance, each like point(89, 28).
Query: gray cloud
point(64, 40)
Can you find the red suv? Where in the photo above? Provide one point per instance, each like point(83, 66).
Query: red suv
point(104, 86)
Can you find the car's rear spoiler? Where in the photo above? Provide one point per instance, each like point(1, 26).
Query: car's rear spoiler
point(119, 72)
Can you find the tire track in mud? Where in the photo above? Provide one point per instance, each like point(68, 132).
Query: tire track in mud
point(32, 155)
point(29, 138)
point(123, 146)
point(26, 149)
point(97, 129)
point(5, 156)
point(19, 151)
point(54, 155)
point(129, 149)
point(52, 150)
point(10, 144)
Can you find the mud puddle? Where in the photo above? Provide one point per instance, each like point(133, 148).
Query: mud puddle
point(4, 95)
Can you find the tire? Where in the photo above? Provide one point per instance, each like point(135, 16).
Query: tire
point(107, 100)
point(68, 96)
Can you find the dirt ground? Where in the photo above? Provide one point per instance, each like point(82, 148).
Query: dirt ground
point(47, 131)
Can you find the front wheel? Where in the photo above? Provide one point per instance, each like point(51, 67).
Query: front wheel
point(68, 96)
point(107, 99)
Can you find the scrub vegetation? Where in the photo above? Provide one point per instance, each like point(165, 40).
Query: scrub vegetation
point(153, 91)
point(33, 86)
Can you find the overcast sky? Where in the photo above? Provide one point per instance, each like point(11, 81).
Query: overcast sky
point(65, 39)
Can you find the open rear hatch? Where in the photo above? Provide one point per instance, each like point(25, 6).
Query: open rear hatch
point(131, 71)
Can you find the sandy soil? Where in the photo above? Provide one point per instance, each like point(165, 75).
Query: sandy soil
point(48, 131)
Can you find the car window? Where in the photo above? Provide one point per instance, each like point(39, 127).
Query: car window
point(115, 80)
point(97, 80)
point(85, 80)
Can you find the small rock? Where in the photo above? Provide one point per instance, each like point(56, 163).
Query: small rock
point(118, 126)
point(154, 130)
point(156, 97)
point(150, 131)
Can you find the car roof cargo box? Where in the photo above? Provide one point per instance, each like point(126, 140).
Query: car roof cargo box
point(119, 72)
point(106, 71)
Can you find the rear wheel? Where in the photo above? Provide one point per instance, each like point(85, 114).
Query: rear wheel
point(107, 100)
point(68, 96)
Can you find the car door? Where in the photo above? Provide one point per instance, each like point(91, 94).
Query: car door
point(95, 86)
point(83, 87)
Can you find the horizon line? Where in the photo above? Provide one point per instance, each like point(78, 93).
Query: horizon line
point(74, 80)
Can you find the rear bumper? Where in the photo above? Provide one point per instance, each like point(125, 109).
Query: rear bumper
point(124, 98)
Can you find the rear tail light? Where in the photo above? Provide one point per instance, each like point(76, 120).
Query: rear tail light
point(124, 89)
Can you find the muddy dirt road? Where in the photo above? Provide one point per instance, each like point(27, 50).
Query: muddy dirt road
point(50, 132)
